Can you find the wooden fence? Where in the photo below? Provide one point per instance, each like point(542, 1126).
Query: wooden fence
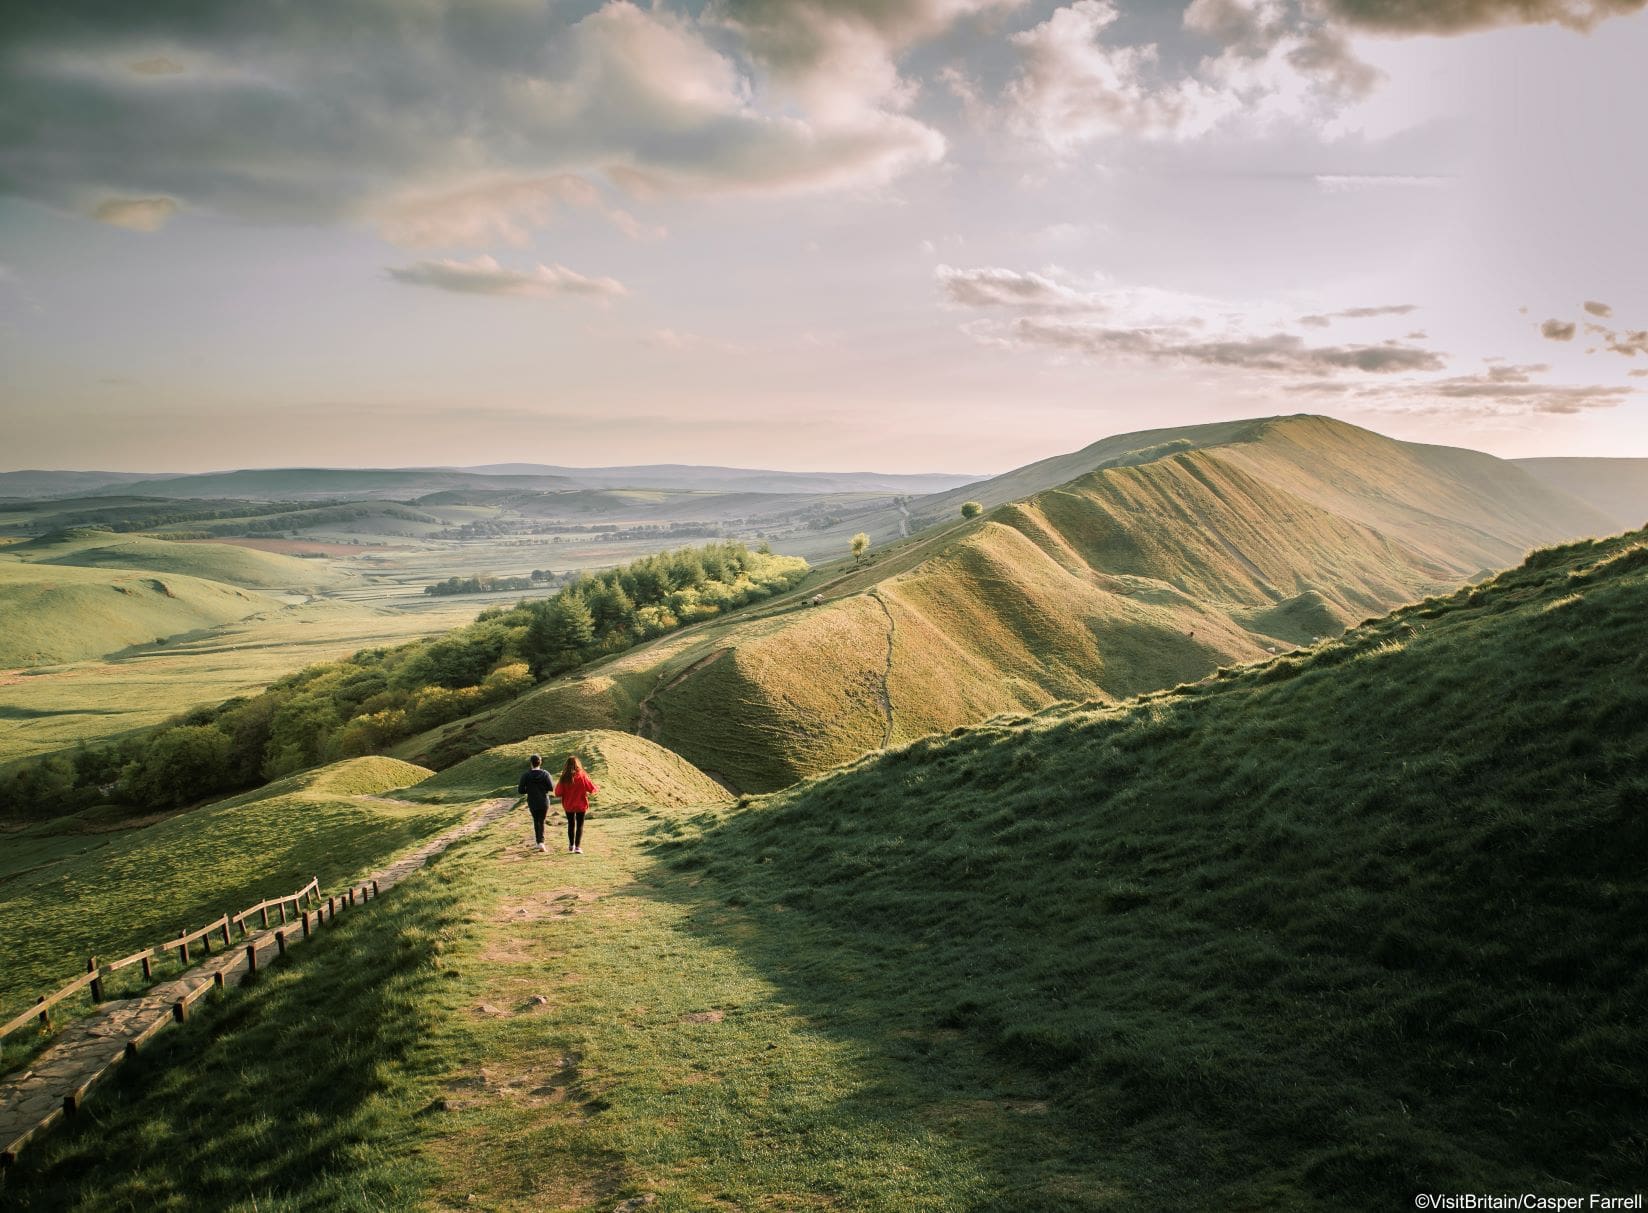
point(95, 974)
point(323, 911)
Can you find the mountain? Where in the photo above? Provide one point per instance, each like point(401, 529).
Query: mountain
point(302, 484)
point(1354, 923)
point(693, 478)
point(1617, 487)
point(34, 483)
point(1191, 551)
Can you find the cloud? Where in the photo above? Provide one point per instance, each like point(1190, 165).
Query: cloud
point(1346, 183)
point(1558, 330)
point(1503, 390)
point(135, 214)
point(1462, 16)
point(840, 56)
point(1037, 310)
point(484, 276)
point(1598, 309)
point(1322, 320)
point(440, 122)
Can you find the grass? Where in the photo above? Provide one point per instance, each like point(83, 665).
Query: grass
point(1151, 570)
point(61, 613)
point(85, 885)
point(228, 563)
point(625, 767)
point(1321, 932)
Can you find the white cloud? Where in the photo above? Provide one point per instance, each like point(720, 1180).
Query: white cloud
point(484, 276)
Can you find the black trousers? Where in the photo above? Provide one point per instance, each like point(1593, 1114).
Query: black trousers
point(575, 829)
point(538, 816)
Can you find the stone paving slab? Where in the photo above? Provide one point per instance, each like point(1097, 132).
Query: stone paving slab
point(32, 1100)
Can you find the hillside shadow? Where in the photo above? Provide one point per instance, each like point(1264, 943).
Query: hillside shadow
point(264, 1098)
point(919, 1073)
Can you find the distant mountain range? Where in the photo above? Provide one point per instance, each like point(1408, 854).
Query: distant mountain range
point(302, 484)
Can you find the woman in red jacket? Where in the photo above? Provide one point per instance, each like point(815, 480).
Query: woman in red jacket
point(574, 790)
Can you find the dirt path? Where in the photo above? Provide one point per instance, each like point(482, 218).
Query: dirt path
point(32, 1100)
point(646, 719)
point(884, 692)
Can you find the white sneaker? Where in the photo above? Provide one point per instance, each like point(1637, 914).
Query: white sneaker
point(541, 847)
point(577, 850)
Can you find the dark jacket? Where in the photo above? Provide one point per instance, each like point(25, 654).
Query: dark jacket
point(536, 786)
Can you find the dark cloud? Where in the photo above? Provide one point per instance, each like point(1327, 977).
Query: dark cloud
point(1598, 309)
point(353, 109)
point(1462, 16)
point(1559, 330)
point(484, 276)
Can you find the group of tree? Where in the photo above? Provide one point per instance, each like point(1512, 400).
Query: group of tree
point(483, 583)
point(377, 697)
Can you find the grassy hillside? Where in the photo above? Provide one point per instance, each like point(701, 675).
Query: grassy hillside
point(627, 769)
point(1320, 933)
point(88, 884)
point(210, 561)
point(1616, 487)
point(1347, 925)
point(61, 613)
point(1180, 556)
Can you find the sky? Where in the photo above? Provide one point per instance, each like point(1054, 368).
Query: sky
point(899, 235)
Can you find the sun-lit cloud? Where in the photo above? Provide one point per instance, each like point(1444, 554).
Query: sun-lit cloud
point(444, 123)
point(135, 214)
point(1598, 309)
point(1558, 330)
point(484, 276)
point(1322, 320)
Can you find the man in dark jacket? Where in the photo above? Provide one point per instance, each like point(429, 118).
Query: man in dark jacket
point(536, 786)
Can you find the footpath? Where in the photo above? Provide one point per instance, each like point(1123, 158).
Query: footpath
point(35, 1099)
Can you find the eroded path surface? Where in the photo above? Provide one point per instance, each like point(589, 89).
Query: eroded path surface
point(33, 1099)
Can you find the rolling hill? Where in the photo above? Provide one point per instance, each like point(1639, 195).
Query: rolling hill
point(1219, 545)
point(229, 563)
point(1617, 487)
point(63, 613)
point(1351, 924)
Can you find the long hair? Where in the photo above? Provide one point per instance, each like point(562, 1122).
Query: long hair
point(573, 767)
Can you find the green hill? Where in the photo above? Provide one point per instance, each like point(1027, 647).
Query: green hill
point(627, 768)
point(62, 613)
point(1352, 924)
point(90, 884)
point(224, 562)
point(1223, 544)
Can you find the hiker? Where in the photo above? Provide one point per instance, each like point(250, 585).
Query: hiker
point(536, 786)
point(575, 788)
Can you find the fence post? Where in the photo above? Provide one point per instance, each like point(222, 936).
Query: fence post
point(374, 888)
point(45, 1016)
point(183, 948)
point(225, 930)
point(180, 1011)
point(331, 907)
point(148, 969)
point(264, 910)
point(280, 942)
point(251, 960)
point(217, 979)
point(351, 895)
point(306, 924)
point(97, 982)
point(283, 913)
point(206, 943)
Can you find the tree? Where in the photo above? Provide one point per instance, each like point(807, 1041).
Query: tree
point(971, 509)
point(861, 544)
point(181, 765)
point(558, 634)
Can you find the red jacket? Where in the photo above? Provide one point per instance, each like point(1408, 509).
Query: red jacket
point(575, 793)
